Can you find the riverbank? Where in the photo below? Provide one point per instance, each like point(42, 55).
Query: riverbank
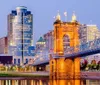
point(44, 75)
point(24, 75)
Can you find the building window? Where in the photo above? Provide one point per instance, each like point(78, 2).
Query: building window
point(26, 60)
point(14, 61)
point(66, 42)
point(18, 61)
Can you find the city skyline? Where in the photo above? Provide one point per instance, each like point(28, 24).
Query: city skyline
point(43, 19)
point(49, 42)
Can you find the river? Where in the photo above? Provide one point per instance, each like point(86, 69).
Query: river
point(46, 82)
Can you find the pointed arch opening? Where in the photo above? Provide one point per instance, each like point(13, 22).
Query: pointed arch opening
point(66, 42)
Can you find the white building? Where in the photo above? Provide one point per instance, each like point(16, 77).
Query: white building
point(88, 33)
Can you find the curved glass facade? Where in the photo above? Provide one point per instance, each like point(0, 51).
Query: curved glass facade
point(20, 33)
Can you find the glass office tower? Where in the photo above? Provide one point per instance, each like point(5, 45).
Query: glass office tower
point(20, 35)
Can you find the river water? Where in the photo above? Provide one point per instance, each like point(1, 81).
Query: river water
point(47, 82)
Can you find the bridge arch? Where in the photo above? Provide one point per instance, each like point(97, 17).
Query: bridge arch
point(66, 42)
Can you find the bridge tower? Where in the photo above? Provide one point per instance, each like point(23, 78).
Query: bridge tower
point(61, 68)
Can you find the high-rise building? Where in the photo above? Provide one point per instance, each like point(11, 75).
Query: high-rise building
point(3, 45)
point(83, 33)
point(92, 32)
point(40, 44)
point(20, 35)
point(88, 33)
point(49, 39)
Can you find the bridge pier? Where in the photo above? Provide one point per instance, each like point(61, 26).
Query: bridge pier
point(61, 82)
point(65, 69)
point(77, 70)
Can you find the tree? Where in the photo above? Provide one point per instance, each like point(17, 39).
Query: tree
point(94, 65)
point(98, 65)
point(84, 64)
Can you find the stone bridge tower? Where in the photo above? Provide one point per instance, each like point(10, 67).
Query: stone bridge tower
point(61, 68)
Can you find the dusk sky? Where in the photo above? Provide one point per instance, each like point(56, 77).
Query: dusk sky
point(44, 10)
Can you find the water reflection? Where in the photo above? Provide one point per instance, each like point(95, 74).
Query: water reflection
point(49, 82)
point(65, 82)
